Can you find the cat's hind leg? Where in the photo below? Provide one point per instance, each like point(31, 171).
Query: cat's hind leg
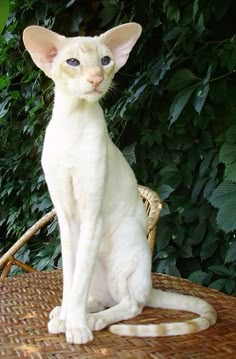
point(94, 306)
point(129, 275)
point(126, 309)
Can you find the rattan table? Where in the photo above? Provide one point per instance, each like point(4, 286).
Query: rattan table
point(26, 301)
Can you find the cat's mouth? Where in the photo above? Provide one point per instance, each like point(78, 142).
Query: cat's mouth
point(93, 92)
point(93, 95)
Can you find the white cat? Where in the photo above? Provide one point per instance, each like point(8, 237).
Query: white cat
point(106, 257)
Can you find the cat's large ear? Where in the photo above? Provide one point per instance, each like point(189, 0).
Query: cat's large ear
point(43, 46)
point(120, 40)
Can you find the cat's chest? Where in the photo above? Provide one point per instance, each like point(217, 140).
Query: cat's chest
point(73, 145)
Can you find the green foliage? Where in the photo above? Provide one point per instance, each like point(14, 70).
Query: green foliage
point(4, 12)
point(173, 113)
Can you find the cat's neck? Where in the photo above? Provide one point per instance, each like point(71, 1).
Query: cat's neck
point(67, 104)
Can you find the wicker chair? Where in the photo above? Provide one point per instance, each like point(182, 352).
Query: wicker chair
point(26, 301)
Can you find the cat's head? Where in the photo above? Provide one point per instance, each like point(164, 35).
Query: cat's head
point(82, 66)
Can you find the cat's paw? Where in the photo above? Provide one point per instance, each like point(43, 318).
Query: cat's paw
point(79, 335)
point(56, 326)
point(55, 313)
point(96, 322)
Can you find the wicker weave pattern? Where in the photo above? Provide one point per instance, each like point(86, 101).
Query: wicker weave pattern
point(26, 300)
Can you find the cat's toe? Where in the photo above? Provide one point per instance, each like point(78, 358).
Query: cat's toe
point(56, 326)
point(96, 322)
point(79, 335)
point(55, 313)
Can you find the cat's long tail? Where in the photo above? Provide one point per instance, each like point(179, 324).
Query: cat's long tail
point(169, 300)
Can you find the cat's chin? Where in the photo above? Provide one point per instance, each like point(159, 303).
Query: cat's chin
point(92, 96)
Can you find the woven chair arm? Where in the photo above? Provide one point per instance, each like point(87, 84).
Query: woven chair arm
point(153, 201)
point(26, 236)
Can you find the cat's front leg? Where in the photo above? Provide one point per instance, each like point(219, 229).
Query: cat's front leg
point(77, 330)
point(69, 232)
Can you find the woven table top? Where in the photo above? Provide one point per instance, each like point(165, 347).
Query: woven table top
point(26, 300)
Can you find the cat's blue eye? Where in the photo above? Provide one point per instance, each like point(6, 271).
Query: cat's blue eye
point(73, 62)
point(105, 60)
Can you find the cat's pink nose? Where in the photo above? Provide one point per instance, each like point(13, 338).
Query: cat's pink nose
point(95, 80)
point(94, 75)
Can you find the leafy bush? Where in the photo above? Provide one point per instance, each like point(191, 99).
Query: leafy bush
point(173, 114)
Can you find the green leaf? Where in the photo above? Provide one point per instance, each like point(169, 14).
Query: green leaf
point(45, 252)
point(179, 103)
point(129, 153)
point(181, 79)
point(231, 61)
point(191, 214)
point(172, 33)
point(195, 8)
point(221, 269)
point(230, 172)
point(4, 107)
point(4, 81)
point(163, 236)
point(70, 2)
point(227, 153)
point(208, 75)
point(186, 251)
point(178, 236)
point(107, 14)
point(231, 134)
point(170, 175)
point(230, 285)
point(165, 253)
point(52, 226)
point(199, 277)
point(218, 284)
point(4, 12)
point(226, 219)
point(231, 253)
point(222, 194)
point(57, 251)
point(59, 264)
point(168, 266)
point(165, 210)
point(209, 188)
point(164, 191)
point(205, 164)
point(209, 247)
point(205, 211)
point(43, 263)
point(138, 92)
point(198, 187)
point(199, 233)
point(45, 204)
point(160, 69)
point(173, 13)
point(200, 25)
point(201, 98)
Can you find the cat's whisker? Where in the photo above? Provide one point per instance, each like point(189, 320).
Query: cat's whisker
point(113, 89)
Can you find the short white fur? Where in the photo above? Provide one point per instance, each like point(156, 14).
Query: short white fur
point(102, 220)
